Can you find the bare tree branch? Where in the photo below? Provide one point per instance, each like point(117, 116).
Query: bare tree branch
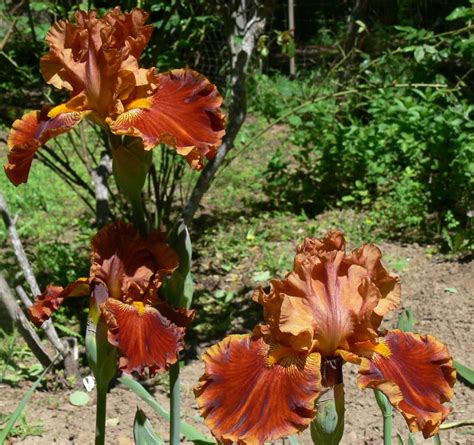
point(100, 176)
point(28, 273)
point(18, 318)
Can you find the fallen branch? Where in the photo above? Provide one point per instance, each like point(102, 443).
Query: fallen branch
point(47, 326)
point(23, 325)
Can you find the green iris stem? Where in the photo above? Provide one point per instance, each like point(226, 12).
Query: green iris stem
point(139, 215)
point(175, 402)
point(387, 411)
point(437, 439)
point(101, 412)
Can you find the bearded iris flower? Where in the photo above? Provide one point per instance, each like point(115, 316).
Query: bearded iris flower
point(263, 386)
point(97, 61)
point(126, 275)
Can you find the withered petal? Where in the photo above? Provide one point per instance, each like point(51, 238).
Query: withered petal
point(184, 112)
point(144, 337)
point(246, 397)
point(28, 134)
point(53, 297)
point(418, 378)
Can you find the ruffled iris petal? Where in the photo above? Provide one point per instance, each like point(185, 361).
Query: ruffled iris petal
point(417, 377)
point(330, 299)
point(128, 263)
point(53, 297)
point(369, 256)
point(28, 134)
point(247, 397)
point(184, 112)
point(143, 336)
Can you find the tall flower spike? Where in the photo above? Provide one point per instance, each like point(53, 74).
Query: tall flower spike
point(124, 284)
point(328, 309)
point(97, 61)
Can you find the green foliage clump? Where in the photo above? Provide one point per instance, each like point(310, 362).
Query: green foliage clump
point(394, 140)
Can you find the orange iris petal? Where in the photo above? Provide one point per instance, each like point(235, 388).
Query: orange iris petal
point(327, 301)
point(183, 112)
point(98, 56)
point(417, 378)
point(53, 297)
point(128, 263)
point(144, 337)
point(369, 257)
point(28, 134)
point(244, 396)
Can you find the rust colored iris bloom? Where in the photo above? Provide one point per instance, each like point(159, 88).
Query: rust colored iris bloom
point(125, 278)
point(259, 387)
point(96, 60)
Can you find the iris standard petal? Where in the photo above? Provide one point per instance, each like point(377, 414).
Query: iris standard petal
point(128, 263)
point(251, 393)
point(417, 376)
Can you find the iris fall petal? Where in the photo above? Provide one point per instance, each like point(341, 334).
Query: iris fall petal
point(247, 396)
point(417, 377)
point(144, 337)
point(28, 134)
point(183, 112)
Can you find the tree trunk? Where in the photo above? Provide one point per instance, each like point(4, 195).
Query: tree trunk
point(244, 21)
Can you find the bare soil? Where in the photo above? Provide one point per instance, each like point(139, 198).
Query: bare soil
point(438, 291)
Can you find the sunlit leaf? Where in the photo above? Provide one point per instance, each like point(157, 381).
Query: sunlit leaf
point(460, 13)
point(79, 398)
point(465, 372)
point(406, 321)
point(143, 432)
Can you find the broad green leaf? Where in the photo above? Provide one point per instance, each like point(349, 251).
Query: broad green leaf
point(143, 432)
point(406, 321)
point(460, 13)
point(261, 276)
point(295, 120)
point(419, 53)
point(22, 405)
point(465, 372)
point(79, 398)
point(188, 431)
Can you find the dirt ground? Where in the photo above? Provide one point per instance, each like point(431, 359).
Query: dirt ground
point(440, 294)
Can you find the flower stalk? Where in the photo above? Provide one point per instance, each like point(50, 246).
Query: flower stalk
point(102, 360)
point(387, 412)
point(175, 405)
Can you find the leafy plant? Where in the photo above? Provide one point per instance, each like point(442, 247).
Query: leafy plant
point(394, 141)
